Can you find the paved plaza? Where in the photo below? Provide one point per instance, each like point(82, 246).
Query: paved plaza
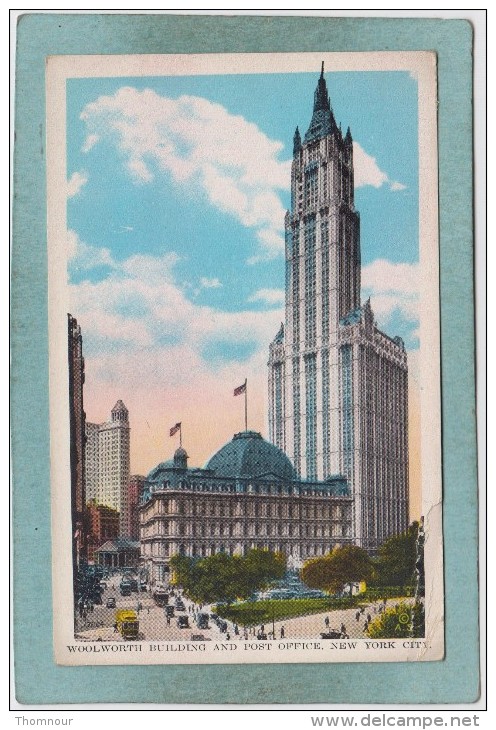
point(98, 624)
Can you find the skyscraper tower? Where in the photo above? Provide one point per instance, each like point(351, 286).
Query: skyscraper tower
point(337, 385)
point(108, 463)
point(77, 419)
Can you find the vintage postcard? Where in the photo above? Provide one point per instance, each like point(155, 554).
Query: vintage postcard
point(244, 358)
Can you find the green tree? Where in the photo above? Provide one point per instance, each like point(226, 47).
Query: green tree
point(224, 578)
point(332, 572)
point(401, 621)
point(260, 568)
point(395, 565)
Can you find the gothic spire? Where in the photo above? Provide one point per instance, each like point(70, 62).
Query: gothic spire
point(321, 100)
point(323, 122)
point(296, 142)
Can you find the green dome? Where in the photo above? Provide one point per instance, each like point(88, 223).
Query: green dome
point(249, 456)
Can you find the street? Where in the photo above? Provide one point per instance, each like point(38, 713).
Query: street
point(98, 625)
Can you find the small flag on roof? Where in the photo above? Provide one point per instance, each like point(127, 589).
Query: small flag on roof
point(175, 429)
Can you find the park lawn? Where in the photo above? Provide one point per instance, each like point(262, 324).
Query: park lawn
point(251, 613)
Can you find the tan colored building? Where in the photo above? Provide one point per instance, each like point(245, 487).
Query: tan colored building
point(247, 496)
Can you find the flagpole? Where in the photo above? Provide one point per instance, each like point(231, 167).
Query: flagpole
point(180, 435)
point(246, 405)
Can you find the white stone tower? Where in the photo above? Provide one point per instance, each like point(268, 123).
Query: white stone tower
point(337, 385)
point(108, 462)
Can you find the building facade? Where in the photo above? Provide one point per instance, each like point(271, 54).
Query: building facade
point(247, 496)
point(77, 420)
point(104, 525)
point(134, 491)
point(108, 462)
point(338, 386)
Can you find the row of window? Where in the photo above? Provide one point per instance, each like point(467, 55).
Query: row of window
point(246, 509)
point(303, 550)
point(251, 529)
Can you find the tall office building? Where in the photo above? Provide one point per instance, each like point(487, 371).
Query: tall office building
point(108, 463)
point(338, 386)
point(77, 419)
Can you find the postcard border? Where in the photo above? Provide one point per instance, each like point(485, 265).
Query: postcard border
point(443, 682)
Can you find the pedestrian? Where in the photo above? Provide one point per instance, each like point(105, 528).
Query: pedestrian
point(228, 636)
point(369, 618)
point(262, 629)
point(366, 626)
point(236, 630)
point(326, 621)
point(357, 615)
point(282, 632)
point(343, 629)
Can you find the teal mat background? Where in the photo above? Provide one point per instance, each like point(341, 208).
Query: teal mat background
point(38, 679)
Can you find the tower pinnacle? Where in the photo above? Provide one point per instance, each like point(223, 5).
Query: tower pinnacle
point(323, 122)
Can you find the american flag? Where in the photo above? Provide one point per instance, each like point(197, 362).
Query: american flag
point(240, 389)
point(174, 429)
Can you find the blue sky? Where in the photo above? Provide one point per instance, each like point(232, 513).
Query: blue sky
point(177, 188)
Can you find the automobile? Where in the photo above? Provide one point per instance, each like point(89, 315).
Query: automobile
point(134, 584)
point(169, 611)
point(202, 620)
point(125, 588)
point(182, 622)
point(103, 584)
point(110, 602)
point(180, 605)
point(222, 626)
point(200, 637)
point(332, 634)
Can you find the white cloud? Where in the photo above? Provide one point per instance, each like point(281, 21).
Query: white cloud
point(141, 304)
point(75, 183)
point(201, 145)
point(368, 172)
point(90, 142)
point(84, 257)
point(269, 296)
point(392, 288)
point(207, 283)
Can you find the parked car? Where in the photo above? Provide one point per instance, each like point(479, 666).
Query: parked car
point(200, 637)
point(110, 602)
point(182, 622)
point(180, 605)
point(202, 620)
point(332, 634)
point(169, 611)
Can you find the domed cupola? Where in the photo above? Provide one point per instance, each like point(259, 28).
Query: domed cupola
point(180, 458)
point(249, 456)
